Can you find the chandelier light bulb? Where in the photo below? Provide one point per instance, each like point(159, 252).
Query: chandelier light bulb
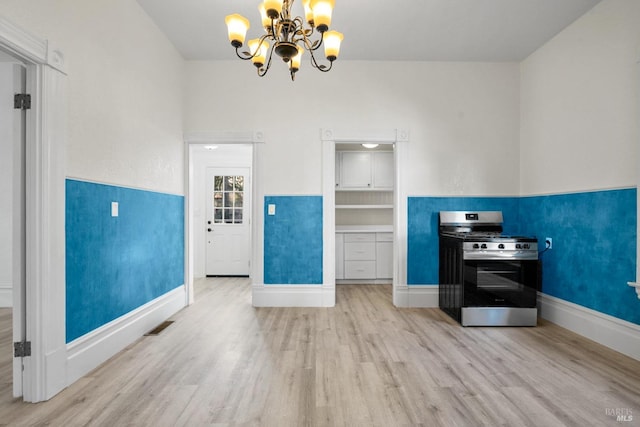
point(322, 11)
point(237, 26)
point(258, 51)
point(273, 8)
point(266, 21)
point(295, 60)
point(308, 12)
point(332, 40)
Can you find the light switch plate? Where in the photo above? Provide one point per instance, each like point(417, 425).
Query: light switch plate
point(271, 209)
point(114, 208)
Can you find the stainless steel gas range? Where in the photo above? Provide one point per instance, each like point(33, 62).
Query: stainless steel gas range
point(486, 278)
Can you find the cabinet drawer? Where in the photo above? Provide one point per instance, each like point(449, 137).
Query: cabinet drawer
point(360, 237)
point(384, 260)
point(360, 251)
point(384, 237)
point(359, 269)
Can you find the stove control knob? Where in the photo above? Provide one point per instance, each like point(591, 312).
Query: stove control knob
point(526, 246)
point(484, 246)
point(476, 246)
point(500, 246)
point(518, 246)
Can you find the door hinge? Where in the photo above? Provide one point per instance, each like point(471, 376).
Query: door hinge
point(22, 349)
point(22, 101)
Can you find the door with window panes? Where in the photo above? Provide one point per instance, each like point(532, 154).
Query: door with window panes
point(227, 221)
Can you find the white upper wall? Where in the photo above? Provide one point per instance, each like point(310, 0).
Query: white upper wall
point(580, 109)
point(125, 90)
point(463, 118)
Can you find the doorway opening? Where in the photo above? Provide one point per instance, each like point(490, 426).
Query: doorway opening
point(220, 205)
point(13, 75)
point(364, 213)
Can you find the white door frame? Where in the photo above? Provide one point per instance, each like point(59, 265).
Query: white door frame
point(45, 371)
point(192, 139)
point(400, 138)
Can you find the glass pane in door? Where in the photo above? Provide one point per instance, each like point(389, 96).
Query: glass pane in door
point(228, 199)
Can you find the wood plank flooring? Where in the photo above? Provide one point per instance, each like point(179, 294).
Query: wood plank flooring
point(362, 363)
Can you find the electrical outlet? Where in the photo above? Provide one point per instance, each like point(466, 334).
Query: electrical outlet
point(548, 242)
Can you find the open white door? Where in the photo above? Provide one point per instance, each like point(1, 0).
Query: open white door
point(228, 195)
point(40, 315)
point(18, 224)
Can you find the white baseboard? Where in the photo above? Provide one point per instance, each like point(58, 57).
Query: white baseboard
point(87, 352)
point(293, 295)
point(416, 296)
point(6, 295)
point(609, 331)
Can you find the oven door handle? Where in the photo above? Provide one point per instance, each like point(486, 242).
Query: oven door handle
point(499, 256)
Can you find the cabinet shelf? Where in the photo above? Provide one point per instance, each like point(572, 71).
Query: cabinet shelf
point(364, 206)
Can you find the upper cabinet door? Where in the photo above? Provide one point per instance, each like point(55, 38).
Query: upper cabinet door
point(359, 170)
point(338, 168)
point(356, 170)
point(383, 170)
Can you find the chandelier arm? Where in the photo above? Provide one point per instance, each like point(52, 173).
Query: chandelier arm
point(320, 67)
point(302, 35)
point(262, 71)
point(242, 57)
point(306, 34)
point(309, 46)
point(246, 58)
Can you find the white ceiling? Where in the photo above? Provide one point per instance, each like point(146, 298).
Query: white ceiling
point(421, 30)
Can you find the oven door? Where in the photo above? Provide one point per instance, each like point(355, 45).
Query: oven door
point(500, 283)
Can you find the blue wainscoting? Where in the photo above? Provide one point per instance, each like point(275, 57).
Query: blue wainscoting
point(293, 240)
point(117, 264)
point(422, 229)
point(594, 248)
point(594, 243)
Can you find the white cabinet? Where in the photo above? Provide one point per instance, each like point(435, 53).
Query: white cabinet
point(384, 255)
point(383, 170)
point(359, 269)
point(360, 256)
point(355, 170)
point(364, 170)
point(339, 256)
point(364, 256)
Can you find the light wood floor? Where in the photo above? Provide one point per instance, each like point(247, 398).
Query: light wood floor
point(362, 363)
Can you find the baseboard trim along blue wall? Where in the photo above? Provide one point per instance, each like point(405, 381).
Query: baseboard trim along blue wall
point(594, 243)
point(115, 264)
point(293, 240)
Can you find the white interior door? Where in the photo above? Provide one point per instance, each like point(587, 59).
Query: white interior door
point(227, 228)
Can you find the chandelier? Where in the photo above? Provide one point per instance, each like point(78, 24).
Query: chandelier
point(287, 36)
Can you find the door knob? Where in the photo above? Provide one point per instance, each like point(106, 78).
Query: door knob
point(209, 222)
point(209, 230)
